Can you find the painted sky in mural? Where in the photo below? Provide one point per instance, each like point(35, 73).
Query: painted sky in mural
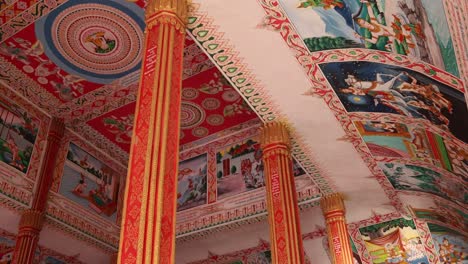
point(18, 131)
point(451, 246)
point(395, 241)
point(192, 185)
point(376, 87)
point(90, 183)
point(417, 178)
point(416, 28)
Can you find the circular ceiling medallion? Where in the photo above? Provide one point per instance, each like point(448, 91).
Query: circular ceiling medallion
point(230, 96)
point(211, 103)
point(191, 115)
point(200, 131)
point(189, 93)
point(215, 120)
point(98, 40)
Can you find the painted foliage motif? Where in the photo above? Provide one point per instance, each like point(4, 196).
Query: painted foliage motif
point(417, 28)
point(18, 131)
point(395, 241)
point(398, 140)
point(451, 246)
point(376, 87)
point(90, 183)
point(421, 179)
point(192, 182)
point(263, 257)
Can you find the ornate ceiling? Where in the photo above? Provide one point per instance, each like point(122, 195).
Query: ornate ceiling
point(374, 95)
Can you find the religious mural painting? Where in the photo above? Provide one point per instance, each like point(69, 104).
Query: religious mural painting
point(398, 140)
point(90, 183)
point(18, 131)
point(380, 88)
point(192, 182)
point(416, 28)
point(395, 241)
point(239, 168)
point(445, 213)
point(451, 246)
point(408, 177)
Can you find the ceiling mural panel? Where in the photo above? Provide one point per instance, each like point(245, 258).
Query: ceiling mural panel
point(401, 109)
point(416, 28)
point(375, 87)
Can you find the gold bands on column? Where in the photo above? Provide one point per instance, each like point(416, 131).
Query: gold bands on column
point(148, 222)
point(283, 210)
point(338, 239)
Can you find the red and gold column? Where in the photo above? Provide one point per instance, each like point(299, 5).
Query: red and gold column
point(32, 219)
point(283, 210)
point(338, 238)
point(149, 213)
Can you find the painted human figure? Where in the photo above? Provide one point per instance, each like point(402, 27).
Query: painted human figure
point(396, 33)
point(80, 188)
point(16, 160)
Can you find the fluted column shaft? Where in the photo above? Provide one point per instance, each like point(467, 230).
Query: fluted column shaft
point(32, 220)
point(148, 224)
point(283, 210)
point(338, 239)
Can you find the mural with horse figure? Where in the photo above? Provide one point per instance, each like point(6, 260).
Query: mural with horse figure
point(192, 182)
point(416, 28)
point(377, 87)
point(18, 131)
point(451, 246)
point(90, 183)
point(395, 241)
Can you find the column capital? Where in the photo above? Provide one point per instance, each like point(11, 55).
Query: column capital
point(274, 134)
point(332, 203)
point(32, 219)
point(178, 8)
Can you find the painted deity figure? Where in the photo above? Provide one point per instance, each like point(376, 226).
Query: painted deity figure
point(448, 253)
point(403, 94)
point(394, 254)
point(101, 42)
point(394, 37)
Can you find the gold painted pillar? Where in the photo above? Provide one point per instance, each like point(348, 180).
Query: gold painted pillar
point(283, 210)
point(32, 219)
point(149, 212)
point(338, 239)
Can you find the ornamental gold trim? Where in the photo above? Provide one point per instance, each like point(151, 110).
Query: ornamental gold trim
point(32, 219)
point(177, 7)
point(332, 202)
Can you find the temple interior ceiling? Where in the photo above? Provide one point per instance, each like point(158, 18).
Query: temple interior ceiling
point(372, 91)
